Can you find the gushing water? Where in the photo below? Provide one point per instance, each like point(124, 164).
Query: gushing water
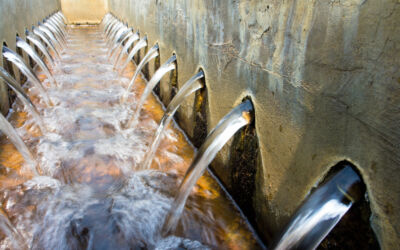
point(122, 37)
point(240, 116)
point(32, 53)
point(7, 129)
point(12, 83)
point(133, 38)
point(51, 36)
point(33, 39)
point(49, 44)
point(141, 44)
point(321, 211)
point(15, 237)
point(188, 88)
point(26, 70)
point(165, 68)
point(93, 194)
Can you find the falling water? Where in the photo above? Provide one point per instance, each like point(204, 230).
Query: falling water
point(33, 39)
point(55, 32)
point(26, 70)
point(127, 33)
point(141, 44)
point(16, 140)
point(188, 88)
point(108, 27)
point(165, 68)
point(93, 194)
point(152, 53)
point(42, 36)
point(12, 83)
point(133, 38)
point(32, 53)
point(321, 211)
point(6, 227)
point(116, 29)
point(240, 116)
point(116, 35)
point(50, 35)
point(58, 27)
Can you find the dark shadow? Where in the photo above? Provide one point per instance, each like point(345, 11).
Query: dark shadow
point(353, 231)
point(200, 117)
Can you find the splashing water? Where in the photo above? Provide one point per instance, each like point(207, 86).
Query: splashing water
point(94, 194)
point(19, 144)
point(12, 83)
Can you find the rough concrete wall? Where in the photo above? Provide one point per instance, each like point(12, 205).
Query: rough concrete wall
point(15, 17)
point(84, 11)
point(325, 81)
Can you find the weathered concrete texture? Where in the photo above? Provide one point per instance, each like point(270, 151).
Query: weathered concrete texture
point(15, 17)
point(325, 81)
point(84, 11)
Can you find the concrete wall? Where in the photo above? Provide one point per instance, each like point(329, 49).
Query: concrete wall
point(325, 81)
point(84, 11)
point(15, 17)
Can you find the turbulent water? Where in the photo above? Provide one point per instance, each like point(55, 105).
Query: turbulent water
point(90, 194)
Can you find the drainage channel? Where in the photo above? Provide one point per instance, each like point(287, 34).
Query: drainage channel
point(87, 185)
point(90, 159)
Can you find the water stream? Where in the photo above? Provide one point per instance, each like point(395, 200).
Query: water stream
point(240, 116)
point(117, 58)
point(32, 53)
point(27, 71)
point(165, 68)
point(321, 211)
point(13, 84)
point(91, 192)
point(188, 88)
point(141, 44)
point(35, 40)
point(49, 44)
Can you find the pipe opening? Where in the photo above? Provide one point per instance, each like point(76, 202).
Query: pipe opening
point(37, 50)
point(9, 94)
point(244, 160)
point(173, 79)
point(354, 230)
point(157, 64)
point(200, 119)
point(21, 78)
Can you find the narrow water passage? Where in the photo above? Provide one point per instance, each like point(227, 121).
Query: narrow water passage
point(91, 193)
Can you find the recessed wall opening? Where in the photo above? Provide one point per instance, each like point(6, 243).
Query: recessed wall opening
point(173, 79)
point(243, 164)
point(7, 65)
point(138, 56)
point(200, 116)
point(354, 230)
point(21, 77)
point(157, 64)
